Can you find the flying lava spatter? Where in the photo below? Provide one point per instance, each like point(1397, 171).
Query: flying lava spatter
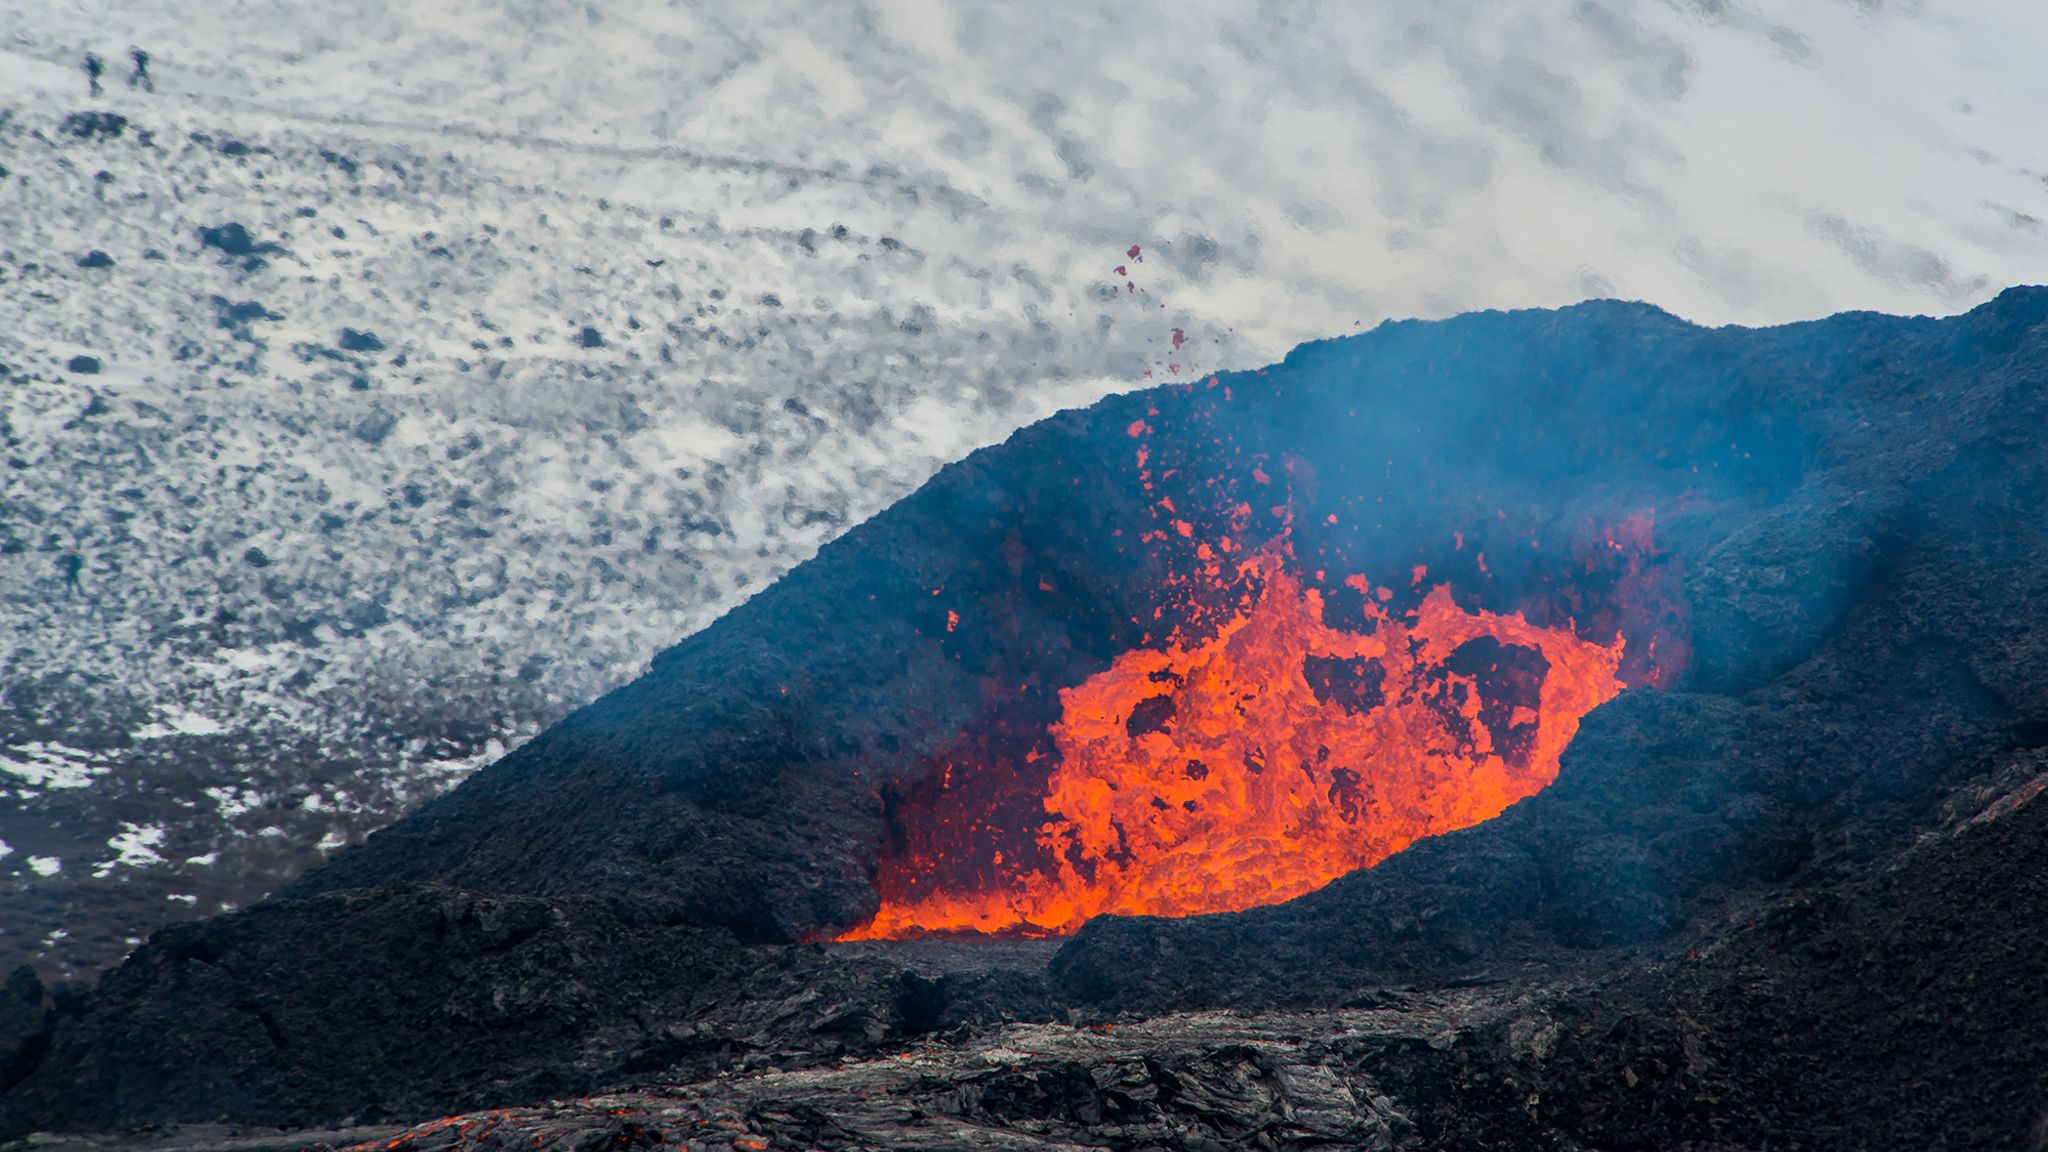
point(1269, 756)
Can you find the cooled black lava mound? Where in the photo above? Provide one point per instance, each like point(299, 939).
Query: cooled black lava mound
point(1848, 578)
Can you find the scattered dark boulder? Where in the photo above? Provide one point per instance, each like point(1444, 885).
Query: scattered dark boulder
point(94, 125)
point(363, 615)
point(375, 426)
point(353, 340)
point(590, 338)
point(95, 259)
point(83, 365)
point(232, 239)
point(340, 161)
point(234, 242)
point(236, 315)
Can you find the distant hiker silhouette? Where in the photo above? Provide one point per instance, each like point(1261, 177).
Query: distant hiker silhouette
point(70, 564)
point(140, 77)
point(94, 69)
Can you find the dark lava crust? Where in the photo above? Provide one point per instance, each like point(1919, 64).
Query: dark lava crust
point(1798, 900)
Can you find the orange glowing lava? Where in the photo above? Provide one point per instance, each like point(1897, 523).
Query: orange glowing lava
point(1269, 756)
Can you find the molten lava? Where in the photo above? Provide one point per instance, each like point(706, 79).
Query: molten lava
point(1267, 757)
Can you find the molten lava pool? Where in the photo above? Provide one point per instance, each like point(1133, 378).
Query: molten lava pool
point(1264, 759)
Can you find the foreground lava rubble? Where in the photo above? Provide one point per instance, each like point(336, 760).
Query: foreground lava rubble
point(1784, 890)
point(1821, 1006)
point(1201, 1080)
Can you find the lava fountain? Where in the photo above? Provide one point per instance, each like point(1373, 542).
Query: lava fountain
point(1258, 759)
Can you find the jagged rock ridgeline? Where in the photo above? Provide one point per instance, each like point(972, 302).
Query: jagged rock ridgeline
point(1846, 521)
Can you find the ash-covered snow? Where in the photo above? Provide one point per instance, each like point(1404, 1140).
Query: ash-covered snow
point(177, 722)
point(134, 846)
point(395, 377)
point(45, 765)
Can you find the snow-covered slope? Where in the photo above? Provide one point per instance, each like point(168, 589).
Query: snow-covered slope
point(451, 359)
point(428, 457)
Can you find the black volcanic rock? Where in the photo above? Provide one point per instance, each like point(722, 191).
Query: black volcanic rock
point(94, 125)
point(1848, 511)
point(410, 999)
point(1897, 1011)
point(356, 341)
point(1902, 1011)
point(1770, 594)
point(231, 238)
point(25, 1025)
